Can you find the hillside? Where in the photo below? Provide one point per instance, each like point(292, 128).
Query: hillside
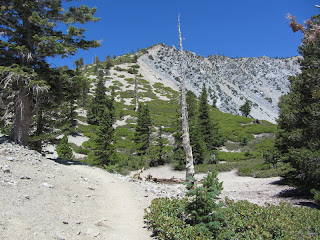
point(162, 96)
point(231, 81)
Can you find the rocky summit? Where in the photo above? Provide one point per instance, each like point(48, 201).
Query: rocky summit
point(231, 81)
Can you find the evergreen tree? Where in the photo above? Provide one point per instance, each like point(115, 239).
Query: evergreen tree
point(160, 147)
point(199, 148)
point(79, 63)
point(299, 120)
point(143, 129)
point(99, 102)
point(156, 150)
point(103, 151)
point(179, 156)
point(30, 36)
point(208, 129)
point(108, 62)
point(64, 150)
point(96, 60)
point(245, 108)
point(56, 113)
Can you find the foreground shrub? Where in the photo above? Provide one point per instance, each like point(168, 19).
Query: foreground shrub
point(250, 221)
point(200, 217)
point(195, 217)
point(202, 209)
point(167, 218)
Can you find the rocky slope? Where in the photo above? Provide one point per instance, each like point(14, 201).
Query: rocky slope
point(230, 80)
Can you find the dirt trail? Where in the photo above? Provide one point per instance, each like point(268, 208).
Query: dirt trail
point(122, 204)
point(42, 199)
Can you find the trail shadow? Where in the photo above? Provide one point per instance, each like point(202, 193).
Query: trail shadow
point(67, 162)
point(298, 198)
point(4, 139)
point(309, 205)
point(295, 196)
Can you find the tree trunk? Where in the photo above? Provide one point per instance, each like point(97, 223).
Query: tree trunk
point(23, 116)
point(185, 126)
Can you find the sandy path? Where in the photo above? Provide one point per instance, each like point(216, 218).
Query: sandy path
point(122, 204)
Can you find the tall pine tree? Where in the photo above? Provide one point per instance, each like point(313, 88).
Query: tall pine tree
point(209, 130)
point(30, 36)
point(299, 120)
point(99, 102)
point(199, 148)
point(143, 129)
point(103, 150)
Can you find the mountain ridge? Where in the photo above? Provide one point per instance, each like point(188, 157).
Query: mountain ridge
point(232, 81)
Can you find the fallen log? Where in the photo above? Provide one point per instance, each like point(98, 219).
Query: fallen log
point(164, 180)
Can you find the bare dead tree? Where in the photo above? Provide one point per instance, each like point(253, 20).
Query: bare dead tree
point(136, 80)
point(184, 112)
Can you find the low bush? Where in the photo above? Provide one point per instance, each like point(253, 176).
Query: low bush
point(236, 156)
point(170, 220)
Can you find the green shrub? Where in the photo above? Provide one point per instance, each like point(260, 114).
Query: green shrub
point(220, 167)
point(202, 210)
point(196, 217)
point(117, 68)
point(316, 195)
point(129, 80)
point(249, 221)
point(236, 156)
point(64, 150)
point(133, 71)
point(243, 220)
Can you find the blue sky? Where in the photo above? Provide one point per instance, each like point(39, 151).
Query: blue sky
point(234, 28)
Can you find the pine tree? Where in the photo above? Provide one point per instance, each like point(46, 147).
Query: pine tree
point(56, 113)
point(160, 147)
point(108, 63)
point(96, 60)
point(64, 150)
point(143, 129)
point(29, 36)
point(245, 108)
point(209, 130)
point(199, 148)
point(179, 156)
point(103, 151)
point(99, 102)
point(299, 119)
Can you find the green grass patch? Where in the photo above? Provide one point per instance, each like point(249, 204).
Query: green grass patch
point(237, 156)
point(219, 167)
point(116, 83)
point(129, 80)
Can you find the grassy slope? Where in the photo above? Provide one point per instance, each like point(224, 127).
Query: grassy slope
point(247, 158)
